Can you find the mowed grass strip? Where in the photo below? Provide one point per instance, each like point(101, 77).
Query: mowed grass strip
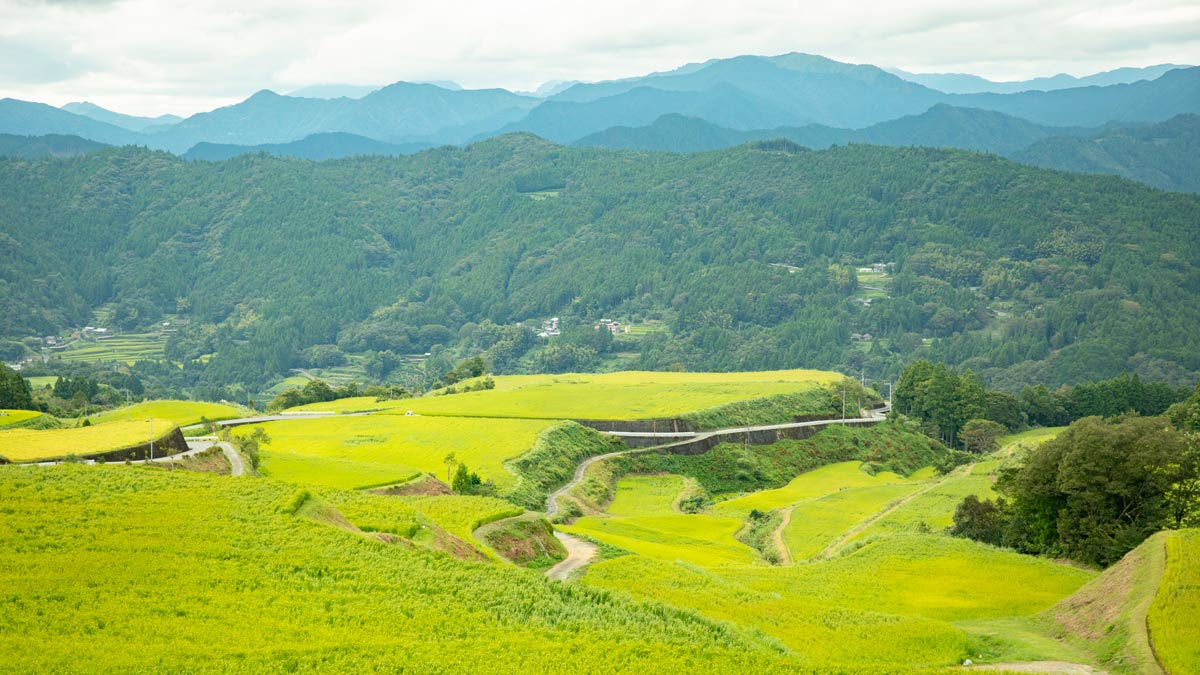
point(817, 524)
point(626, 395)
point(28, 445)
point(350, 452)
point(1174, 618)
point(182, 413)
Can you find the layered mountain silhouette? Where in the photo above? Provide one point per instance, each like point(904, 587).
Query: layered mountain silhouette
point(811, 100)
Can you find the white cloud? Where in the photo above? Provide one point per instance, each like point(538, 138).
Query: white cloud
point(150, 57)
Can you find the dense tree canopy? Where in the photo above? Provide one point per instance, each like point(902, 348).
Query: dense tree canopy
point(746, 257)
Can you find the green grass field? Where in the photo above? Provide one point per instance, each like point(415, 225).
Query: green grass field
point(933, 510)
point(27, 445)
point(642, 519)
point(11, 417)
point(698, 539)
point(177, 572)
point(128, 348)
point(349, 452)
point(811, 485)
point(1174, 618)
point(609, 396)
point(646, 496)
point(42, 381)
point(460, 515)
point(182, 413)
point(817, 524)
point(887, 605)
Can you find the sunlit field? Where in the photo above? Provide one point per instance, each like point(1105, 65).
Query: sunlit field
point(24, 445)
point(349, 452)
point(182, 413)
point(608, 396)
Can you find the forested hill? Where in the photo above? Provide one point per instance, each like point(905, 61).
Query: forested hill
point(747, 255)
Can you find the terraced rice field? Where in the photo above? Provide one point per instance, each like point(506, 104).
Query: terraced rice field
point(642, 519)
point(182, 413)
point(128, 348)
point(1174, 618)
point(890, 603)
point(353, 452)
point(200, 555)
point(819, 523)
point(608, 396)
point(27, 445)
point(11, 417)
point(815, 484)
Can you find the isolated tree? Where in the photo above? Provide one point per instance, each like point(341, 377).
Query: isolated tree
point(450, 460)
point(980, 435)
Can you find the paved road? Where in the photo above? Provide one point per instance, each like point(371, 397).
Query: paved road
point(236, 466)
point(196, 445)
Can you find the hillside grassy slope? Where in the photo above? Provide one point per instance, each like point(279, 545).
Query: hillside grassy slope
point(173, 563)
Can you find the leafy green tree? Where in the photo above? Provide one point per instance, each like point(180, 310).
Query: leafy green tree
point(14, 390)
point(979, 436)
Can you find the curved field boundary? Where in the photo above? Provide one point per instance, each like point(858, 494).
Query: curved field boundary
point(703, 442)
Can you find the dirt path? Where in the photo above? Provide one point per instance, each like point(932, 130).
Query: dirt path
point(888, 510)
point(1042, 667)
point(785, 553)
point(579, 554)
point(200, 443)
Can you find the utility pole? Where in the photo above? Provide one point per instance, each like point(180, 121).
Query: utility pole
point(843, 401)
point(151, 421)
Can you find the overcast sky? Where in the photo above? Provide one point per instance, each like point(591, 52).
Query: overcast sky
point(158, 56)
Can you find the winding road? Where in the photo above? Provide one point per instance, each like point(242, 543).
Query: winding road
point(691, 437)
point(196, 445)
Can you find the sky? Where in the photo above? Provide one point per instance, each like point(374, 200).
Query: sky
point(150, 57)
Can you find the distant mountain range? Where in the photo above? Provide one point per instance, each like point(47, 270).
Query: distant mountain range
point(130, 122)
point(809, 99)
point(940, 126)
point(961, 83)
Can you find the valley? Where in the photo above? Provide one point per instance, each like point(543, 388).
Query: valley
point(531, 340)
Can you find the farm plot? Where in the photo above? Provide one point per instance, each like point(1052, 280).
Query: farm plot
point(182, 413)
point(608, 396)
point(642, 519)
point(811, 485)
point(10, 417)
point(128, 348)
point(817, 524)
point(382, 449)
point(888, 604)
point(28, 445)
point(198, 554)
point(1174, 618)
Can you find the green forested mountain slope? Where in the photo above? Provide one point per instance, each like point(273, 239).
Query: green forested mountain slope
point(1049, 276)
point(1165, 155)
point(940, 126)
point(316, 147)
point(50, 145)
